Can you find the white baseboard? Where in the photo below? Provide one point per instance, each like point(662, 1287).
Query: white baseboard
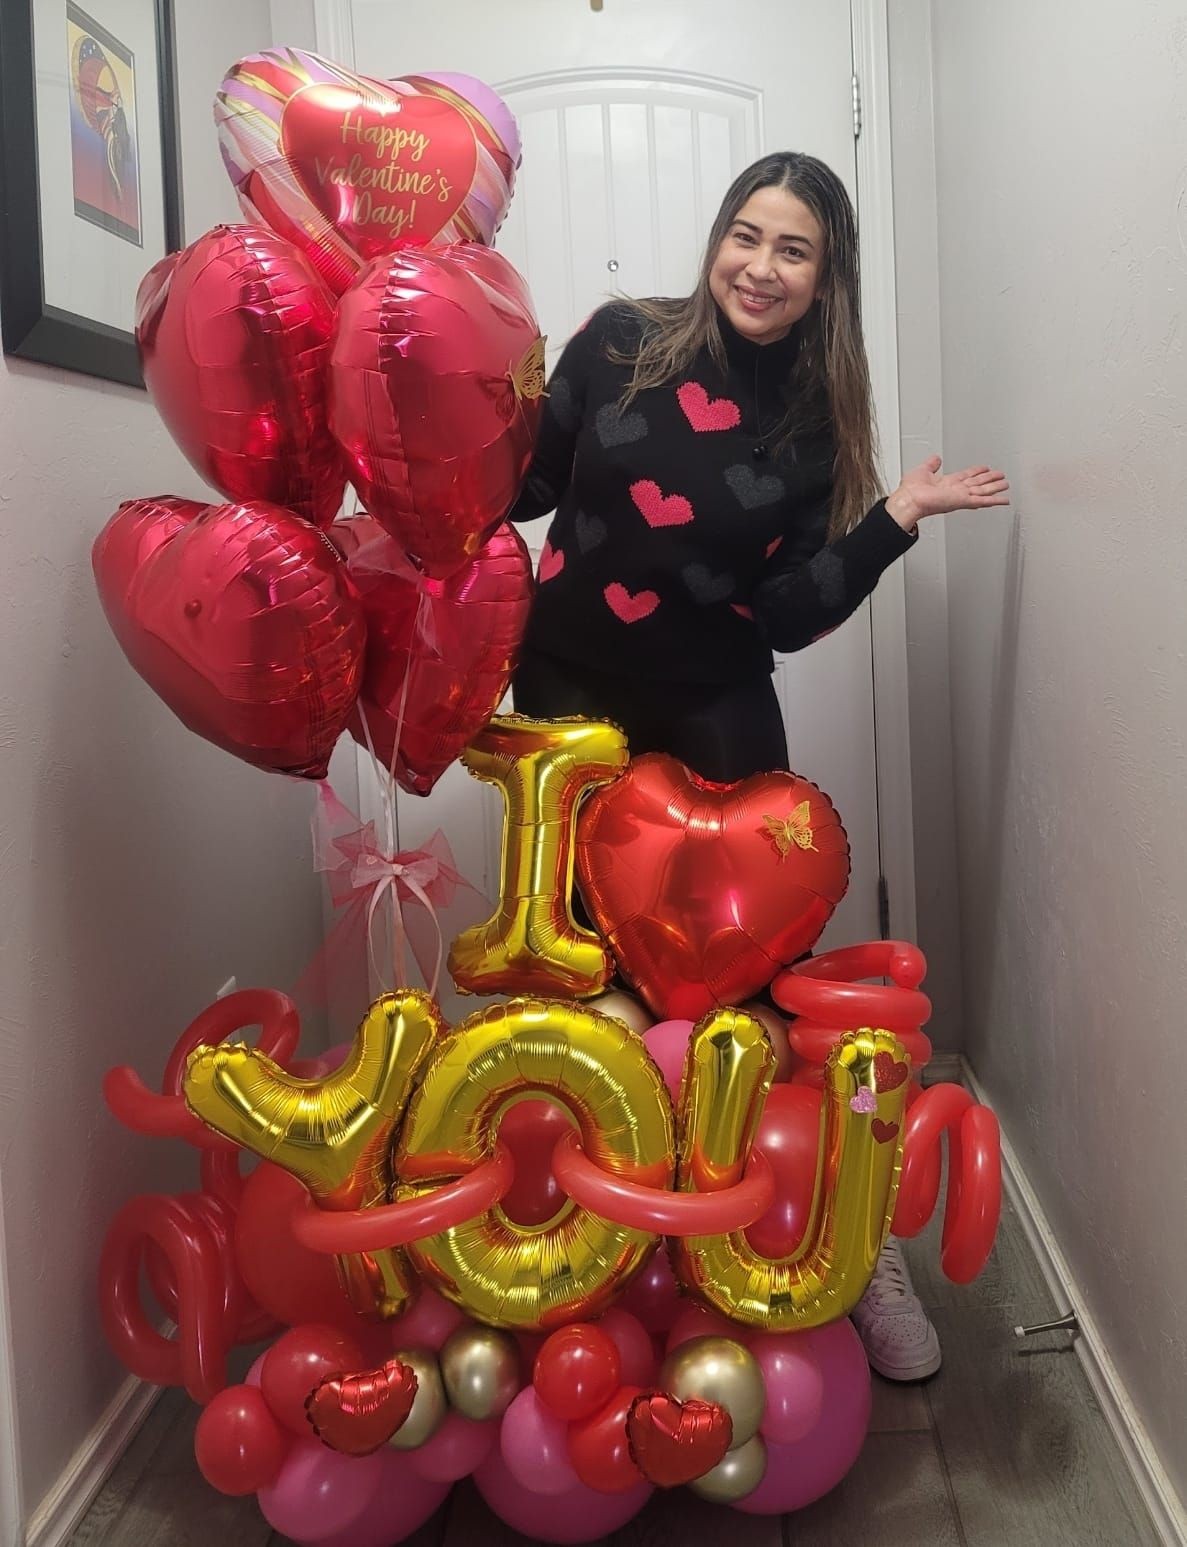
point(1158, 1493)
point(92, 1463)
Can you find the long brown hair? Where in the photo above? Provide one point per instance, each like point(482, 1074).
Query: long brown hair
point(829, 383)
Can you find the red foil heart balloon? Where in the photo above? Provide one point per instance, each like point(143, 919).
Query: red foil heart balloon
point(440, 653)
point(356, 1414)
point(243, 620)
point(234, 335)
point(436, 385)
point(348, 167)
point(674, 1442)
point(704, 890)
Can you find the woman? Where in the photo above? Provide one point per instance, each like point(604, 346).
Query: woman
point(711, 462)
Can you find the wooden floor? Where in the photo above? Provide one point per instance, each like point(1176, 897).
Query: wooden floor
point(1005, 1446)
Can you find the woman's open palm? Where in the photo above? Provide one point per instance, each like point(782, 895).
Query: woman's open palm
point(935, 494)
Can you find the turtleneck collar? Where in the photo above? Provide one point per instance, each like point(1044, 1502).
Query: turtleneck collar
point(744, 354)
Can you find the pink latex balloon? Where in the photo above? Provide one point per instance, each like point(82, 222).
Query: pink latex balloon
point(534, 1446)
point(698, 1321)
point(634, 1345)
point(667, 1042)
point(320, 1492)
point(458, 1446)
point(802, 1472)
point(401, 1504)
point(578, 1515)
point(252, 1378)
point(794, 1382)
point(428, 1323)
point(654, 1296)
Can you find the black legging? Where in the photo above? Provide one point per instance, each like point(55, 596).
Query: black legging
point(722, 731)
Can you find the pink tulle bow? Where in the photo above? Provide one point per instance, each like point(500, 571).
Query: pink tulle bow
point(361, 874)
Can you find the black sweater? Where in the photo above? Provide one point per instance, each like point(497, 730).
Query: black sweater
point(682, 548)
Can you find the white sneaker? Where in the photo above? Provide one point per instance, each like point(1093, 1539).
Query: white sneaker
point(900, 1342)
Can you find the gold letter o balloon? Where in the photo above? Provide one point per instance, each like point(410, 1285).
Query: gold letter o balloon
point(511, 1275)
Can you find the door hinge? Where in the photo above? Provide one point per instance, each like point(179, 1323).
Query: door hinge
point(856, 108)
point(883, 909)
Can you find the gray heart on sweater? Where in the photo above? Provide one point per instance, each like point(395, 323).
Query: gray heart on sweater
point(705, 586)
point(752, 489)
point(615, 429)
point(828, 572)
point(591, 531)
point(561, 404)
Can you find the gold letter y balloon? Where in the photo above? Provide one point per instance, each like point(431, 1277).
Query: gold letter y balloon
point(334, 1134)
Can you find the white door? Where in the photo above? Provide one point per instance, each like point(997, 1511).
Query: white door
point(635, 118)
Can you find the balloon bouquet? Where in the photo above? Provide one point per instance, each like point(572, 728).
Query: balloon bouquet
point(587, 1243)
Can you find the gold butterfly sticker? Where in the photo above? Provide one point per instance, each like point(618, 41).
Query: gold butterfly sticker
point(793, 830)
point(527, 377)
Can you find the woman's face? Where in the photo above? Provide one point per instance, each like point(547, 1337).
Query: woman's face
point(770, 265)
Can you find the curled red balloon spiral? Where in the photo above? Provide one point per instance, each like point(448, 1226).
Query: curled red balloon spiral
point(827, 997)
point(165, 1115)
point(974, 1202)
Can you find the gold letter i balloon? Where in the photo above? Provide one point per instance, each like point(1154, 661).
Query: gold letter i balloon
point(334, 1134)
point(532, 944)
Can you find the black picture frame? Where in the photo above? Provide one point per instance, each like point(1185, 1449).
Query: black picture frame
point(31, 328)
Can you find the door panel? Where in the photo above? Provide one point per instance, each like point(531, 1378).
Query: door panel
point(634, 121)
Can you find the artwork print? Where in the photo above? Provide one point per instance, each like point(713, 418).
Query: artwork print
point(104, 150)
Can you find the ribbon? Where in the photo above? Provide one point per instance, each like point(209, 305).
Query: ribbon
point(362, 873)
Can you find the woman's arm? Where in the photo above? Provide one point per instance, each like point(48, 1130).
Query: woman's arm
point(797, 600)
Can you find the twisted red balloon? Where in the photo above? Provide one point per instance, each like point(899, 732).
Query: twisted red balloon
point(185, 1243)
point(974, 1202)
point(827, 997)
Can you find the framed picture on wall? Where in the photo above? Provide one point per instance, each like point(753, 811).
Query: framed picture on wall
point(90, 189)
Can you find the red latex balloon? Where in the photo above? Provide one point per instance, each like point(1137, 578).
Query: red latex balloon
point(440, 653)
point(704, 890)
point(599, 1447)
point(436, 383)
point(789, 1137)
point(577, 1371)
point(530, 1130)
point(234, 334)
point(245, 622)
point(297, 1363)
point(238, 1444)
point(292, 1283)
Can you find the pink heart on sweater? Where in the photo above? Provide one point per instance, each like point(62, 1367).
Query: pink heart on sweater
point(704, 412)
point(628, 608)
point(552, 561)
point(658, 508)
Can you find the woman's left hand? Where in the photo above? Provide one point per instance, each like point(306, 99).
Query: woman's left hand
point(925, 492)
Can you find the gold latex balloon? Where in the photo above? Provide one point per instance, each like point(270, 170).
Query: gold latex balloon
point(720, 1370)
point(532, 945)
point(625, 1008)
point(480, 1369)
point(429, 1406)
point(333, 1134)
point(511, 1275)
point(738, 1473)
point(865, 1092)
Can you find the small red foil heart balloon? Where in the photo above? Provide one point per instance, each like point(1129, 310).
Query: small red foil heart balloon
point(703, 890)
point(357, 1414)
point(234, 336)
point(440, 653)
point(243, 619)
point(436, 387)
point(675, 1442)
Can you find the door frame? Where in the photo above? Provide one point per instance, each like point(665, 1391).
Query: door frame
point(12, 1511)
point(334, 32)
